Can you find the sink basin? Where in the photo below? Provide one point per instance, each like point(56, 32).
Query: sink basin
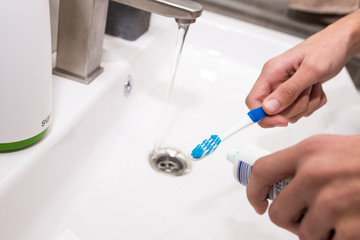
point(90, 178)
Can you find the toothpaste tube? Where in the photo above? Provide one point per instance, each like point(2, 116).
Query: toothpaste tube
point(243, 161)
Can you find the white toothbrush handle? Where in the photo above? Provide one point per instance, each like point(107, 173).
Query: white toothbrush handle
point(243, 123)
point(253, 116)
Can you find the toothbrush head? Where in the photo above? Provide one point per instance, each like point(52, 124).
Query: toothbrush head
point(206, 147)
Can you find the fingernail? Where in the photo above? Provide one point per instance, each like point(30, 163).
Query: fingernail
point(272, 105)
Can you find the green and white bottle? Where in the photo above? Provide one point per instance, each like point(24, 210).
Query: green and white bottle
point(25, 73)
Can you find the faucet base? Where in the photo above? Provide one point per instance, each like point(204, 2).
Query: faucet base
point(82, 79)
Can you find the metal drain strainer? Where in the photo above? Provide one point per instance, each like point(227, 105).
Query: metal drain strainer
point(170, 161)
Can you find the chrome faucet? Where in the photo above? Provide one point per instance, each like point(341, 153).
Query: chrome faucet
point(82, 28)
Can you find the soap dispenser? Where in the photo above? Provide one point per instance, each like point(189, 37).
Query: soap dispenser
point(25, 73)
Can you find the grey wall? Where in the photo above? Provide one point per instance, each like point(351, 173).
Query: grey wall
point(54, 16)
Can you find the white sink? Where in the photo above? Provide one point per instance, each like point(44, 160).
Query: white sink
point(90, 178)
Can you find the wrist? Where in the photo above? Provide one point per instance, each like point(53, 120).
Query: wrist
point(351, 28)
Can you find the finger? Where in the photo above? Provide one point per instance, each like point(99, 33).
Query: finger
point(299, 107)
point(320, 218)
point(323, 101)
point(348, 214)
point(315, 99)
point(267, 171)
point(347, 230)
point(273, 121)
point(273, 74)
point(287, 209)
point(254, 99)
point(316, 225)
point(289, 91)
point(261, 89)
point(313, 104)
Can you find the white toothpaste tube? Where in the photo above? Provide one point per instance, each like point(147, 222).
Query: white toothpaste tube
point(243, 161)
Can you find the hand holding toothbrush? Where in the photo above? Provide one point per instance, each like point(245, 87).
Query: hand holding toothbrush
point(325, 169)
point(290, 85)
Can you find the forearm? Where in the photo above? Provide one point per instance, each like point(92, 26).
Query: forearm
point(349, 28)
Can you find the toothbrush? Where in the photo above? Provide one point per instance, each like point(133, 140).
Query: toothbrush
point(209, 145)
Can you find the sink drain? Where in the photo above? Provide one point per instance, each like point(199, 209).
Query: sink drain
point(170, 161)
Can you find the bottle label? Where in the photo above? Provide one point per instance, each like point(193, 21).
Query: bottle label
point(243, 176)
point(244, 172)
point(243, 161)
point(277, 188)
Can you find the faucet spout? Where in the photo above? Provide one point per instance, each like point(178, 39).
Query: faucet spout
point(82, 28)
point(184, 11)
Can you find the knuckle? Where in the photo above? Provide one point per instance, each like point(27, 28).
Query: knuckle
point(314, 143)
point(342, 233)
point(310, 174)
point(264, 125)
point(316, 68)
point(308, 114)
point(302, 235)
point(258, 167)
point(294, 119)
point(316, 104)
point(299, 110)
point(306, 230)
point(270, 63)
point(323, 100)
point(328, 201)
point(308, 145)
point(289, 91)
point(249, 100)
point(303, 106)
point(275, 216)
point(345, 233)
point(253, 200)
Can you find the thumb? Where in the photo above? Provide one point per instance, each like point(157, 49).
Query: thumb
point(284, 95)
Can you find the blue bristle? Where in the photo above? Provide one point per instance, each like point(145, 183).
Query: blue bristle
point(206, 147)
point(197, 152)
